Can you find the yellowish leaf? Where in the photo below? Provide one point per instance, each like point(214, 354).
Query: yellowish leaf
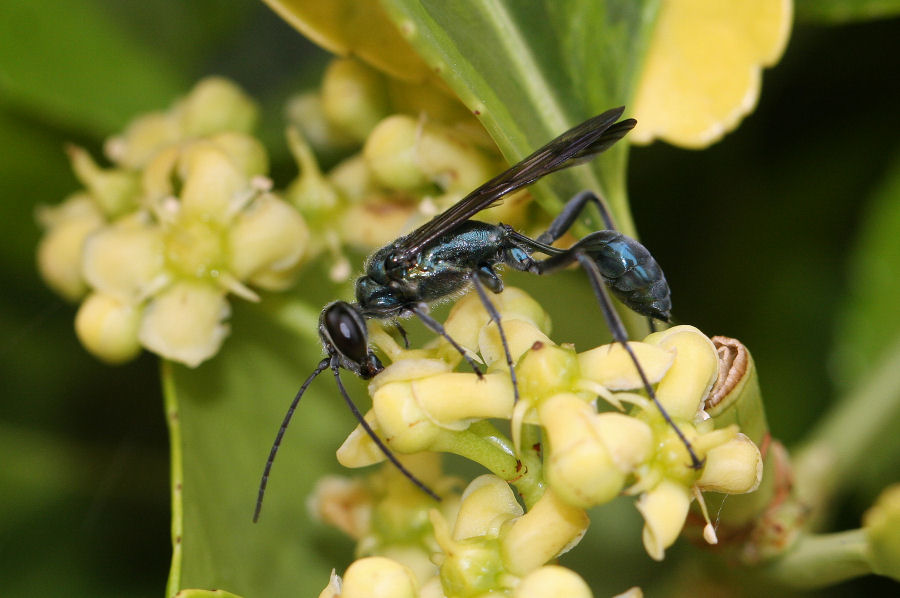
point(357, 27)
point(703, 67)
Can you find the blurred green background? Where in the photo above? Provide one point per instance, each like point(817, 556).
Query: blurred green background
point(756, 236)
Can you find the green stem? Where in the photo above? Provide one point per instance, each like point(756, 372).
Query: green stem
point(485, 444)
point(846, 435)
point(821, 560)
point(177, 477)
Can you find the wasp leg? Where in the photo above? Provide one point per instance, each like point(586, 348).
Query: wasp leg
point(421, 312)
point(570, 212)
point(479, 285)
point(618, 331)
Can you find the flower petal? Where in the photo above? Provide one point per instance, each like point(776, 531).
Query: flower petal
point(185, 323)
point(664, 508)
point(124, 260)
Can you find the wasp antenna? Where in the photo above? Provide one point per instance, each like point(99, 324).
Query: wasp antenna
point(284, 424)
point(380, 443)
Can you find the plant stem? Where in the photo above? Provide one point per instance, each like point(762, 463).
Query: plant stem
point(819, 560)
point(485, 444)
point(177, 477)
point(845, 436)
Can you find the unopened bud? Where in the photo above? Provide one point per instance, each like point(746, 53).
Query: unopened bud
point(552, 581)
point(354, 97)
point(267, 242)
point(59, 254)
point(688, 381)
point(549, 529)
point(378, 577)
point(114, 190)
point(882, 525)
point(216, 104)
point(108, 328)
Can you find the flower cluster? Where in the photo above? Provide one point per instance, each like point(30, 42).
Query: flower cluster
point(185, 215)
point(563, 456)
point(414, 150)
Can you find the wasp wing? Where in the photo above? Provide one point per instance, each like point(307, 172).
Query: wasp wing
point(575, 146)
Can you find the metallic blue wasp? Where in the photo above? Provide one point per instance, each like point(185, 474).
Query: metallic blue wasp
point(450, 252)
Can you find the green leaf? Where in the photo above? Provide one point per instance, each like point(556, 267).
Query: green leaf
point(869, 324)
point(205, 594)
point(530, 70)
point(223, 417)
point(67, 62)
point(840, 11)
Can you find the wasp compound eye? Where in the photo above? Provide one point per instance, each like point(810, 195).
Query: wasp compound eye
point(347, 331)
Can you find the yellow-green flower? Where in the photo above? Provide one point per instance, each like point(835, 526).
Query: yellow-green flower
point(589, 456)
point(158, 241)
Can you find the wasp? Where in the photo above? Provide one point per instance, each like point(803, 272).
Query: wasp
point(451, 252)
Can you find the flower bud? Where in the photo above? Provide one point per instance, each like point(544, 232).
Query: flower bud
point(468, 317)
point(310, 191)
point(216, 104)
point(402, 420)
point(211, 181)
point(108, 328)
point(734, 467)
point(547, 370)
point(306, 112)
point(552, 581)
point(520, 335)
point(358, 450)
point(114, 190)
point(143, 137)
point(882, 526)
point(549, 529)
point(333, 589)
point(354, 97)
point(185, 322)
point(60, 251)
point(688, 381)
point(342, 503)
point(428, 99)
point(267, 242)
point(405, 153)
point(664, 509)
point(612, 367)
point(487, 503)
point(454, 399)
point(378, 577)
point(352, 179)
point(247, 153)
point(468, 567)
point(578, 466)
point(392, 153)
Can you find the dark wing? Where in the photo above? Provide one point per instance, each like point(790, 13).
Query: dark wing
point(575, 146)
